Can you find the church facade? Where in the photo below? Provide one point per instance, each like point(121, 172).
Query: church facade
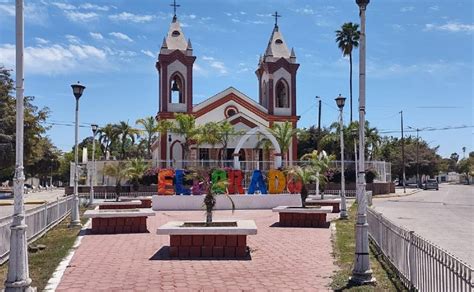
point(276, 76)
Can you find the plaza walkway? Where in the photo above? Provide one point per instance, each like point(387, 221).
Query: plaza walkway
point(297, 259)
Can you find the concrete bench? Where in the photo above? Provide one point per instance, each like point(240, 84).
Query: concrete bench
point(119, 221)
point(209, 242)
point(303, 217)
point(145, 200)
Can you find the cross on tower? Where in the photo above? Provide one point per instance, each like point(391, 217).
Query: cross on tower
point(174, 7)
point(276, 15)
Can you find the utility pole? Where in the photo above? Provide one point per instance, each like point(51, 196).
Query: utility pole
point(417, 159)
point(403, 153)
point(319, 113)
point(18, 276)
point(362, 273)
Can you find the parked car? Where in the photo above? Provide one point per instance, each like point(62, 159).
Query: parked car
point(431, 184)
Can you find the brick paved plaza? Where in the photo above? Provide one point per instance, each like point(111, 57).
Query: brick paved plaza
point(281, 259)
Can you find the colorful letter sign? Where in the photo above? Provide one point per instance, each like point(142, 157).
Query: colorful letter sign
point(180, 180)
point(165, 182)
point(276, 181)
point(257, 183)
point(235, 181)
point(219, 178)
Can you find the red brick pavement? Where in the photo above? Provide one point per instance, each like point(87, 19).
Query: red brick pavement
point(282, 259)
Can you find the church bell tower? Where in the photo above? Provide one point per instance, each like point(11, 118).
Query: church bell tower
point(277, 75)
point(175, 68)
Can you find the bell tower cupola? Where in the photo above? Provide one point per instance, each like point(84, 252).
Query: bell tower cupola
point(175, 68)
point(277, 75)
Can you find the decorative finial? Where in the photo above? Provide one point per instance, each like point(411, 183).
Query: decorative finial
point(174, 5)
point(276, 15)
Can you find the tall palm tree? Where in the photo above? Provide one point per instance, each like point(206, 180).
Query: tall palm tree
point(126, 134)
point(319, 162)
point(150, 128)
point(135, 170)
point(107, 137)
point(347, 38)
point(185, 126)
point(306, 176)
point(284, 133)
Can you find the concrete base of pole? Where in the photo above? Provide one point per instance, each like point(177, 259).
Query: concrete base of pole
point(343, 214)
point(359, 279)
point(75, 224)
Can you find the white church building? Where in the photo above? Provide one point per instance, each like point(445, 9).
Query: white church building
point(276, 102)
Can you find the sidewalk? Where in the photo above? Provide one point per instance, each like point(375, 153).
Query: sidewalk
point(281, 258)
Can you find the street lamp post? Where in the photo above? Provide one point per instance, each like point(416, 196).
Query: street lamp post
point(362, 273)
point(319, 114)
point(18, 277)
point(354, 133)
point(77, 90)
point(92, 176)
point(340, 104)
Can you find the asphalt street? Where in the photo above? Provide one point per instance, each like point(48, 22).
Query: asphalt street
point(48, 196)
point(444, 217)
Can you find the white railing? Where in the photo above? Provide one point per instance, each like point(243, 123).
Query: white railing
point(39, 220)
point(421, 265)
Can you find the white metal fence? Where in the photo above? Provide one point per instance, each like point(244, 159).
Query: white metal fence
point(421, 265)
point(39, 220)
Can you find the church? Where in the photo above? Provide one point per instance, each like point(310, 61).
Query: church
point(276, 76)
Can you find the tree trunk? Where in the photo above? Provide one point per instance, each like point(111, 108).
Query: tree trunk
point(350, 82)
point(208, 217)
point(118, 188)
point(304, 195)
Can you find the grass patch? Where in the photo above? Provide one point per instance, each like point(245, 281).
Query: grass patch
point(42, 264)
point(344, 250)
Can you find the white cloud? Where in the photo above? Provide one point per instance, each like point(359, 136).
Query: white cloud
point(451, 27)
point(126, 16)
point(94, 7)
point(73, 39)
point(121, 36)
point(263, 15)
point(407, 9)
point(57, 59)
point(243, 12)
point(235, 20)
point(218, 65)
point(434, 8)
point(307, 11)
point(148, 53)
point(81, 16)
point(41, 41)
point(64, 6)
point(438, 67)
point(96, 35)
point(228, 14)
point(8, 9)
point(192, 16)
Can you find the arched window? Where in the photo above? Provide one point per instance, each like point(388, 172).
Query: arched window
point(265, 94)
point(176, 90)
point(281, 92)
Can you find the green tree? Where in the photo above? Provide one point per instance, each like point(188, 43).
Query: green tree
point(226, 133)
point(120, 172)
point(466, 167)
point(150, 128)
point(306, 176)
point(107, 137)
point(135, 170)
point(185, 126)
point(284, 133)
point(126, 135)
point(347, 38)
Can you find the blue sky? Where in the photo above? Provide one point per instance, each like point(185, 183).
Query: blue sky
point(420, 58)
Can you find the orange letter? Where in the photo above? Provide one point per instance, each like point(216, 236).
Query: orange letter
point(165, 182)
point(276, 181)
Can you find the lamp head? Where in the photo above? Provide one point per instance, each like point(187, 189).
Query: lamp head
point(340, 101)
point(362, 3)
point(94, 128)
point(78, 89)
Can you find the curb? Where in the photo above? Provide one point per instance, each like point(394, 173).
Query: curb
point(55, 279)
point(395, 195)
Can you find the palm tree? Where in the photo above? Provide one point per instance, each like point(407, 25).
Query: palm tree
point(150, 127)
point(284, 133)
point(107, 137)
point(185, 126)
point(226, 133)
point(306, 176)
point(119, 171)
point(126, 134)
point(319, 162)
point(135, 170)
point(347, 38)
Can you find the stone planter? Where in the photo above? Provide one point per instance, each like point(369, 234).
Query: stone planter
point(225, 239)
point(303, 217)
point(119, 221)
point(334, 203)
point(112, 205)
point(145, 201)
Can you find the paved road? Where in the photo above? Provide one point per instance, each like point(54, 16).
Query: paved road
point(49, 196)
point(445, 217)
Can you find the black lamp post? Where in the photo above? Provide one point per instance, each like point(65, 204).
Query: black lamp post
point(340, 101)
point(77, 90)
